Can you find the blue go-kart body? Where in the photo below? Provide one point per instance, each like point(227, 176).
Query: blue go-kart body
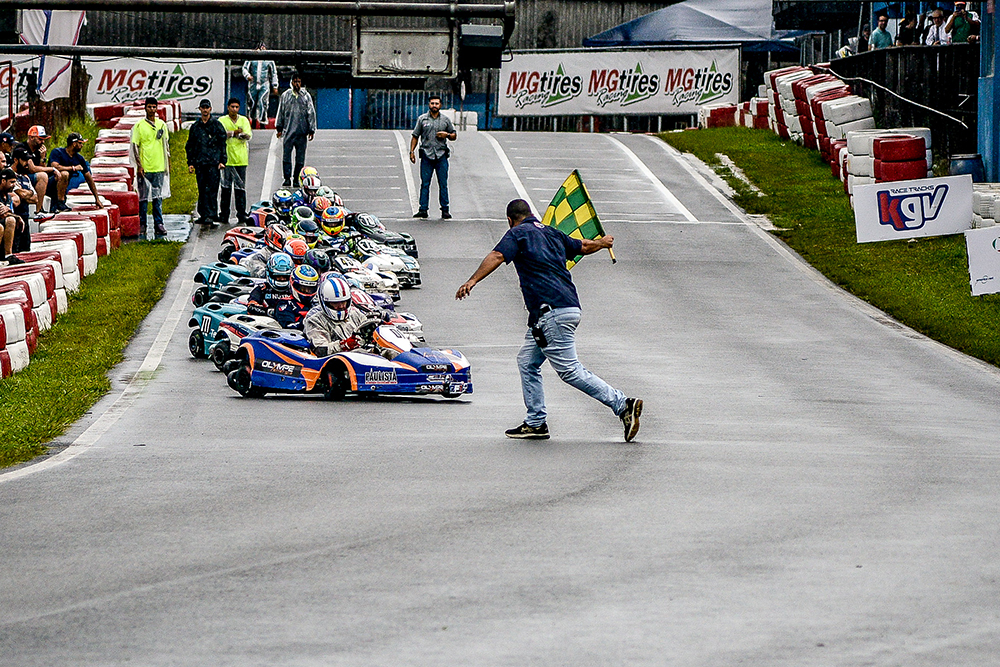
point(283, 361)
point(215, 276)
point(205, 322)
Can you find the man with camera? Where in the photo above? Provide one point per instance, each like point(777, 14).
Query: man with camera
point(962, 25)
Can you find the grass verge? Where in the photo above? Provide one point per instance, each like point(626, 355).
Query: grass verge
point(69, 371)
point(923, 283)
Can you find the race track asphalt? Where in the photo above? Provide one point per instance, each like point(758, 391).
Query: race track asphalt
point(813, 484)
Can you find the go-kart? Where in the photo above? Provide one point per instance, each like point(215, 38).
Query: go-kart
point(283, 361)
point(239, 238)
point(373, 228)
point(232, 330)
point(233, 293)
point(205, 321)
point(369, 280)
point(215, 276)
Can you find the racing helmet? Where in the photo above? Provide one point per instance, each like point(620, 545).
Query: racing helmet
point(307, 171)
point(320, 204)
point(335, 298)
point(369, 247)
point(282, 201)
point(324, 191)
point(368, 221)
point(363, 300)
point(275, 235)
point(319, 260)
point(332, 220)
point(310, 184)
point(336, 199)
point(296, 249)
point(305, 282)
point(309, 231)
point(300, 213)
point(279, 270)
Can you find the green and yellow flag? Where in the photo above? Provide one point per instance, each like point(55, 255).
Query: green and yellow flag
point(572, 213)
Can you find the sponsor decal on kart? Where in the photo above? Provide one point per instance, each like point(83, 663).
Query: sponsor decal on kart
point(430, 388)
point(288, 370)
point(439, 378)
point(380, 377)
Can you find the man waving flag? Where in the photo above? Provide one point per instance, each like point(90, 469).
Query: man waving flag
point(572, 213)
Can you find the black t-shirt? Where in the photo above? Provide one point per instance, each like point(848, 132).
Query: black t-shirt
point(539, 253)
point(34, 155)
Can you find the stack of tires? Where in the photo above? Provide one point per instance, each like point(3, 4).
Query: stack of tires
point(717, 115)
point(882, 156)
point(985, 204)
point(784, 116)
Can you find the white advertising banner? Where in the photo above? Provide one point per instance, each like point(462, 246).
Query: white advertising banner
point(12, 71)
point(983, 246)
point(617, 82)
point(128, 80)
point(910, 209)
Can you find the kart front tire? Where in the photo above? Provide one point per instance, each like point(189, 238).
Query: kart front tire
point(196, 344)
point(201, 296)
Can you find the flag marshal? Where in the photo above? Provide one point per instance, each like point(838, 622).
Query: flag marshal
point(572, 213)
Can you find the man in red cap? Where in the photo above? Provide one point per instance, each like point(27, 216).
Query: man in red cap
point(37, 169)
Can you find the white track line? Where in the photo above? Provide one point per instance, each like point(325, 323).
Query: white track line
point(509, 168)
point(150, 363)
point(272, 158)
point(686, 166)
point(404, 156)
point(657, 183)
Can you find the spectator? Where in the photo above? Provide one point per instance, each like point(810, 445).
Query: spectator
point(151, 153)
point(881, 38)
point(24, 191)
point(10, 225)
point(7, 146)
point(433, 130)
point(866, 32)
point(907, 34)
point(37, 171)
point(262, 82)
point(936, 34)
point(206, 158)
point(238, 135)
point(296, 121)
point(71, 170)
point(962, 25)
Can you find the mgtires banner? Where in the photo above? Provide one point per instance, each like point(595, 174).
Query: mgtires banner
point(617, 82)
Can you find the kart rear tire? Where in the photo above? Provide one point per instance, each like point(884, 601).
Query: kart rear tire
point(239, 380)
point(220, 353)
point(227, 251)
point(336, 382)
point(448, 394)
point(196, 344)
point(201, 296)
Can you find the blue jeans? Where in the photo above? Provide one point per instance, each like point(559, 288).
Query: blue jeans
point(559, 326)
point(427, 169)
point(157, 215)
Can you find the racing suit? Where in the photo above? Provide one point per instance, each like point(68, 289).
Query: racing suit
point(265, 79)
point(281, 305)
point(323, 331)
point(256, 262)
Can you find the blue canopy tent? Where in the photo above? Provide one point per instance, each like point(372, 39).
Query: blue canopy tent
point(746, 22)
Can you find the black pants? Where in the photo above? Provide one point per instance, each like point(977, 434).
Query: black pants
point(208, 190)
point(298, 142)
point(241, 198)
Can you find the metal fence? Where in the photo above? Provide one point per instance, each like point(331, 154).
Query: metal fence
point(931, 79)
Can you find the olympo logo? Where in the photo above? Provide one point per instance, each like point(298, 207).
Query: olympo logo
point(701, 86)
point(543, 88)
point(128, 85)
point(911, 210)
point(626, 86)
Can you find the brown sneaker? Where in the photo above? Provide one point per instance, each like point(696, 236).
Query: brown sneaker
point(630, 417)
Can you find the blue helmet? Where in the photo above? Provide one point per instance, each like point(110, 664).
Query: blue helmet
point(283, 201)
point(279, 270)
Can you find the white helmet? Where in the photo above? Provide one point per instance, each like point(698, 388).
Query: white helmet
point(335, 297)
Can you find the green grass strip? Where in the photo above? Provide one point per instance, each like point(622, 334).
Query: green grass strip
point(923, 283)
point(69, 371)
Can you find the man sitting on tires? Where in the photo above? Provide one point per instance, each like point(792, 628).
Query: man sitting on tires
point(332, 324)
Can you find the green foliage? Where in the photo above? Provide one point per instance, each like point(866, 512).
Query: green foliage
point(183, 187)
point(922, 283)
point(69, 371)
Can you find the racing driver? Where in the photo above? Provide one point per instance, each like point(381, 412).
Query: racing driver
point(274, 298)
point(332, 323)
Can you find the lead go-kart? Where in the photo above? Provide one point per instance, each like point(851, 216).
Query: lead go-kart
point(284, 362)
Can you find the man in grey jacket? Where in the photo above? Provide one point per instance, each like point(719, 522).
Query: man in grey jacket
point(296, 122)
point(434, 131)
